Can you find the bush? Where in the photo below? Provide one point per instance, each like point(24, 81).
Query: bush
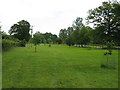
point(22, 43)
point(7, 44)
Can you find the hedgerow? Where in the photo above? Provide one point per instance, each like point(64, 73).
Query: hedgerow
point(7, 44)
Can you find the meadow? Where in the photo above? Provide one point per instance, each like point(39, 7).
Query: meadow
point(58, 66)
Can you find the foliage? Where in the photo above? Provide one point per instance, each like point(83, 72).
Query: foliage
point(37, 39)
point(59, 41)
point(107, 20)
point(7, 44)
point(69, 39)
point(63, 35)
point(78, 34)
point(110, 47)
point(98, 36)
point(84, 37)
point(77, 24)
point(51, 36)
point(21, 30)
point(49, 42)
point(22, 43)
point(109, 62)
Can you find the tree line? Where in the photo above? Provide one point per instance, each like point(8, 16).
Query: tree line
point(78, 34)
point(106, 20)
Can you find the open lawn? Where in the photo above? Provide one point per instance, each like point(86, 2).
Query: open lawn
point(58, 66)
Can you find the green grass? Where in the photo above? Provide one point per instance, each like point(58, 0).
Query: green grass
point(0, 69)
point(57, 67)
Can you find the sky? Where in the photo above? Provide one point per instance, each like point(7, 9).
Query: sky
point(45, 15)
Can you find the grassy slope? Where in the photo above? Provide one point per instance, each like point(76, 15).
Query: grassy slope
point(56, 66)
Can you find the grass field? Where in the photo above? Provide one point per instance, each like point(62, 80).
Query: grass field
point(57, 67)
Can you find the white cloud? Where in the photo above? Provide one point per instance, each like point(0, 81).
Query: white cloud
point(44, 15)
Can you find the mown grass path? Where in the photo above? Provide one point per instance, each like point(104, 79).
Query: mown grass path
point(57, 67)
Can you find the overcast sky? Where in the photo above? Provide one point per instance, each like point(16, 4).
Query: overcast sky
point(45, 15)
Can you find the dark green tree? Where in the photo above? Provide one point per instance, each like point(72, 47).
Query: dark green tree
point(63, 35)
point(76, 37)
point(77, 25)
point(98, 36)
point(84, 36)
point(59, 41)
point(21, 30)
point(69, 39)
point(51, 36)
point(106, 19)
point(116, 22)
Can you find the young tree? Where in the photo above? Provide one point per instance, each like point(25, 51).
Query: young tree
point(37, 39)
point(109, 62)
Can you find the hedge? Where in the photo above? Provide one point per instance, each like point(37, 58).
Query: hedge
point(7, 44)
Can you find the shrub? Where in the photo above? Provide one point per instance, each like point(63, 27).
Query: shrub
point(7, 44)
point(22, 43)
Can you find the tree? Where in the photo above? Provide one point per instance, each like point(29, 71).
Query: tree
point(37, 39)
point(90, 33)
point(109, 62)
point(77, 26)
point(50, 36)
point(21, 30)
point(59, 41)
point(98, 36)
point(49, 42)
point(106, 19)
point(76, 36)
point(53, 38)
point(69, 39)
point(69, 31)
point(63, 35)
point(84, 36)
point(116, 22)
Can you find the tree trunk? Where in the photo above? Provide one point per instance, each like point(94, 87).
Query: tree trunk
point(35, 48)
